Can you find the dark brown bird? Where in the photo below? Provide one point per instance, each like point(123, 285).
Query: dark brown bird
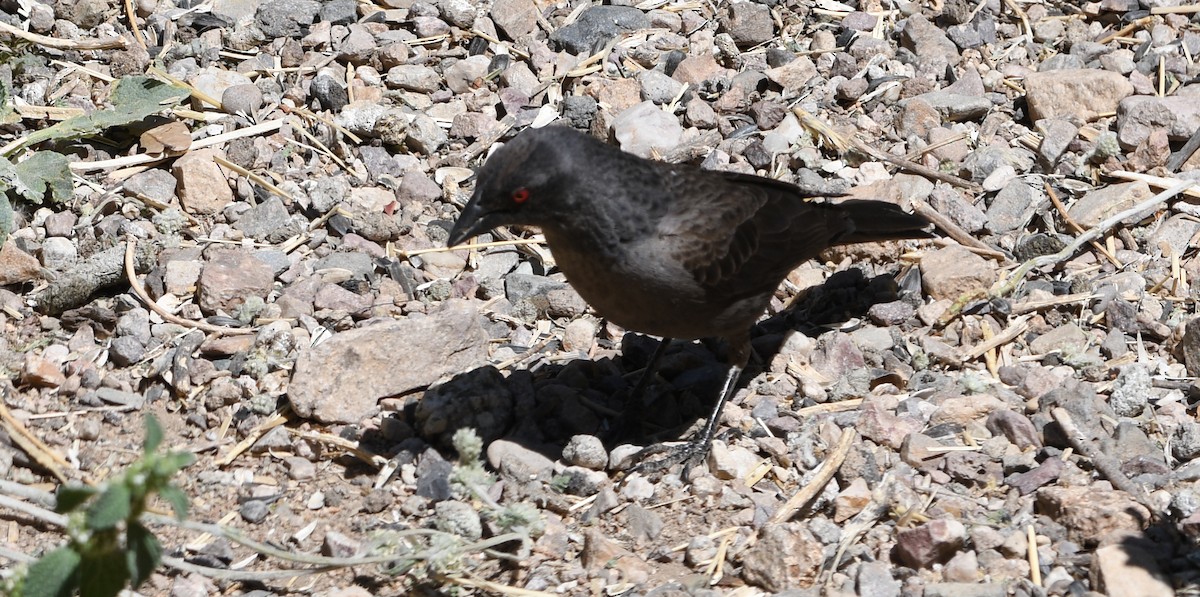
point(666, 249)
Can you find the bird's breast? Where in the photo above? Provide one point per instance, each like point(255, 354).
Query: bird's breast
point(634, 286)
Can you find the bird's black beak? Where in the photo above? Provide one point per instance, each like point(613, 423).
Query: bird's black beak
point(471, 222)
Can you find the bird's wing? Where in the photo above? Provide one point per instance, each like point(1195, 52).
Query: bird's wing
point(739, 235)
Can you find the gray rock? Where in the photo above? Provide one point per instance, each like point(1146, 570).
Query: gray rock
point(414, 77)
point(268, 221)
point(597, 26)
point(1013, 206)
point(515, 18)
point(59, 253)
point(586, 451)
point(518, 287)
point(433, 476)
point(657, 87)
point(1131, 390)
point(748, 23)
point(254, 511)
point(135, 323)
point(157, 184)
point(518, 462)
point(125, 351)
point(425, 135)
point(287, 18)
point(875, 580)
point(341, 379)
point(62, 223)
point(358, 264)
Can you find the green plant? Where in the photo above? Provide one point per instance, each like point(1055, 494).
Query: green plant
point(108, 547)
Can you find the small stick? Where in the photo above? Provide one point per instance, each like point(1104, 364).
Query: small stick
point(910, 166)
point(133, 26)
point(1160, 182)
point(829, 407)
point(814, 487)
point(1014, 329)
point(1066, 299)
point(1106, 465)
point(1179, 157)
point(260, 181)
point(38, 451)
point(1062, 210)
point(136, 287)
point(497, 243)
point(270, 423)
point(1167, 10)
point(269, 126)
point(982, 252)
point(948, 226)
point(107, 43)
point(989, 357)
point(1124, 31)
point(1035, 568)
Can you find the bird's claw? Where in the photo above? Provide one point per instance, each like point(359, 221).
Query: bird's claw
point(690, 454)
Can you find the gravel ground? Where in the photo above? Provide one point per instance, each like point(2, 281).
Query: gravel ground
point(257, 258)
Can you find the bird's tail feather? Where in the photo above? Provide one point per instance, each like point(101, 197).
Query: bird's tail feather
point(879, 220)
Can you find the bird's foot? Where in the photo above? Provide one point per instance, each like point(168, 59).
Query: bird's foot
point(659, 458)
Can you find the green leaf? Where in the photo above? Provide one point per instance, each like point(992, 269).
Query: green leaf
point(103, 574)
point(70, 497)
point(6, 218)
point(7, 114)
point(44, 173)
point(143, 554)
point(112, 507)
point(178, 500)
point(154, 435)
point(56, 574)
point(133, 99)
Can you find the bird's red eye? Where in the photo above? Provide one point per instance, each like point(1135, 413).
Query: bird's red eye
point(520, 195)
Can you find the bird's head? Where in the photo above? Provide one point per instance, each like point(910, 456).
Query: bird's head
point(524, 183)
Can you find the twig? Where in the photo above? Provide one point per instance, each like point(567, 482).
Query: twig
point(1035, 567)
point(981, 251)
point(492, 587)
point(1160, 182)
point(1014, 329)
point(255, 178)
point(269, 126)
point(1062, 210)
point(817, 484)
point(38, 451)
point(1066, 299)
point(497, 243)
point(270, 423)
point(133, 26)
point(916, 168)
point(136, 287)
point(1102, 228)
point(1106, 465)
point(953, 230)
point(1177, 158)
point(107, 43)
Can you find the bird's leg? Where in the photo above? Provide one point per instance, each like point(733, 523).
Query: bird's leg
point(697, 447)
point(635, 397)
point(632, 415)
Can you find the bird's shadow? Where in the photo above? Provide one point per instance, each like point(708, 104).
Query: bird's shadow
point(542, 407)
